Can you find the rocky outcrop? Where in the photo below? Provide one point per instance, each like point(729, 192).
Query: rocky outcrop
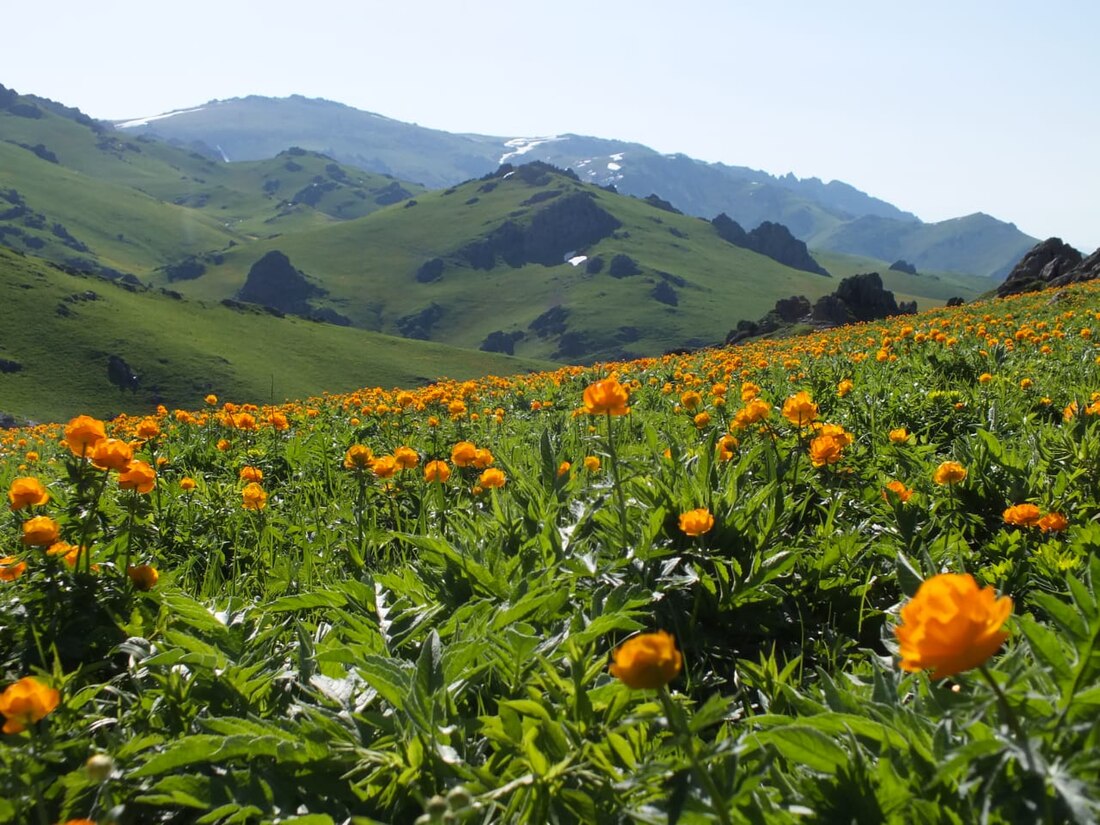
point(274, 282)
point(772, 240)
point(1044, 264)
point(902, 265)
point(1084, 271)
point(866, 298)
point(658, 202)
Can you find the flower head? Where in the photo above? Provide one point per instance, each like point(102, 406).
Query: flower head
point(899, 436)
point(464, 454)
point(606, 396)
point(384, 466)
point(800, 409)
point(112, 454)
point(437, 472)
point(138, 476)
point(82, 433)
point(25, 702)
point(358, 457)
point(11, 568)
point(650, 660)
point(27, 492)
point(899, 491)
point(951, 625)
point(492, 479)
point(40, 531)
point(949, 472)
point(1023, 515)
point(250, 473)
point(406, 457)
point(253, 497)
point(144, 576)
point(1053, 523)
point(696, 522)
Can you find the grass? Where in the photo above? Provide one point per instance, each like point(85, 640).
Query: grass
point(182, 350)
point(370, 645)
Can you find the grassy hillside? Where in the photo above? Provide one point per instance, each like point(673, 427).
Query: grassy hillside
point(370, 268)
point(61, 330)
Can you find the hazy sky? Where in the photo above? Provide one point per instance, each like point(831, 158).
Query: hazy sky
point(942, 108)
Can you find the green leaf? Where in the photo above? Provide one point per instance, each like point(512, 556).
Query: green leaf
point(306, 601)
point(803, 745)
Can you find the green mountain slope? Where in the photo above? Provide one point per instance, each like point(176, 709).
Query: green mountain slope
point(690, 287)
point(833, 215)
point(58, 332)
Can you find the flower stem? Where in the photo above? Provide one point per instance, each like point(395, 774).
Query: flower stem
point(678, 723)
point(1010, 718)
point(619, 496)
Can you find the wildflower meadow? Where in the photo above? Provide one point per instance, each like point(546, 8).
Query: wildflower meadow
point(846, 577)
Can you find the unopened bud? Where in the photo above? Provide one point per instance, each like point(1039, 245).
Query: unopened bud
point(99, 766)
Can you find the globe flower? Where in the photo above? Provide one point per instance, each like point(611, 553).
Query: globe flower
point(899, 490)
point(437, 472)
point(949, 472)
point(564, 468)
point(725, 447)
point(650, 660)
point(148, 428)
point(800, 409)
point(143, 576)
point(592, 463)
point(212, 400)
point(138, 476)
point(384, 466)
point(187, 484)
point(606, 396)
point(844, 387)
point(249, 473)
point(463, 454)
point(112, 454)
point(899, 436)
point(27, 492)
point(82, 433)
point(1022, 515)
point(406, 457)
point(696, 522)
point(492, 479)
point(358, 457)
point(253, 497)
point(756, 410)
point(701, 420)
point(483, 458)
point(1053, 523)
point(11, 568)
point(40, 531)
point(25, 702)
point(951, 625)
point(825, 450)
point(691, 400)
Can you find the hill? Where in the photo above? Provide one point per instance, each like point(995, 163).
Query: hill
point(74, 343)
point(815, 211)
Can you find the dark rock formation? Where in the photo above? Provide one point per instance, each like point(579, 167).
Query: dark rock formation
point(773, 240)
point(394, 193)
point(902, 265)
point(664, 293)
point(7, 366)
point(551, 322)
point(273, 281)
point(793, 309)
point(865, 297)
point(501, 341)
point(121, 374)
point(1043, 264)
point(594, 266)
point(185, 270)
point(660, 203)
point(1084, 271)
point(955, 301)
point(623, 266)
point(419, 324)
point(430, 271)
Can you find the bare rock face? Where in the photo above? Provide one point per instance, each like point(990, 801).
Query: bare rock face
point(274, 282)
point(1044, 264)
point(1084, 271)
point(771, 239)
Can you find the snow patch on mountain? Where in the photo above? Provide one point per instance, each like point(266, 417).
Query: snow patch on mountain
point(521, 146)
point(145, 121)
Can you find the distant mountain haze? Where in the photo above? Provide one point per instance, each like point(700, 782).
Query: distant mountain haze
point(827, 216)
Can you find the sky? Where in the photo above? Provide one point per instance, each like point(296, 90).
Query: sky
point(941, 108)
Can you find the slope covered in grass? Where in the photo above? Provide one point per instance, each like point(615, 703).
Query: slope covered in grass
point(60, 330)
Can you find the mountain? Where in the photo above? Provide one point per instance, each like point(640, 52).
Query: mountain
point(818, 213)
point(75, 343)
point(526, 259)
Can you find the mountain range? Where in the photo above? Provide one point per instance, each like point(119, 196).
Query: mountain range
point(830, 216)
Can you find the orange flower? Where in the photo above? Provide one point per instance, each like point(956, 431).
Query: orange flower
point(951, 625)
point(25, 702)
point(187, 484)
point(144, 576)
point(800, 409)
point(249, 473)
point(112, 454)
point(691, 399)
point(726, 446)
point(254, 497)
point(40, 531)
point(138, 476)
point(985, 378)
point(756, 410)
point(900, 491)
point(358, 457)
point(696, 522)
point(899, 436)
point(463, 454)
point(27, 492)
point(148, 428)
point(437, 472)
point(701, 420)
point(1053, 523)
point(607, 396)
point(384, 466)
point(949, 472)
point(564, 468)
point(825, 449)
point(650, 660)
point(844, 387)
point(212, 400)
point(223, 444)
point(11, 568)
point(1022, 515)
point(483, 458)
point(406, 457)
point(592, 463)
point(82, 433)
point(492, 479)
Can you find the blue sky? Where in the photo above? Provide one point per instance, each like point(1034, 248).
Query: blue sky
point(942, 108)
